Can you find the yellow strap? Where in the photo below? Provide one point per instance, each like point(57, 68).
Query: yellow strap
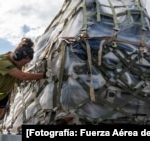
point(142, 14)
point(114, 16)
point(128, 11)
point(100, 52)
point(144, 37)
point(98, 11)
point(61, 73)
point(84, 16)
point(92, 93)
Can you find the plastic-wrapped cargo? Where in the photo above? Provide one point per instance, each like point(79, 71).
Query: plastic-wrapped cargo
point(96, 53)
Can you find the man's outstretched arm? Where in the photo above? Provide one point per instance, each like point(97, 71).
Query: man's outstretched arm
point(25, 75)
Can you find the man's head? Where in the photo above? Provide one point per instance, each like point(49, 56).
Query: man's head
point(24, 51)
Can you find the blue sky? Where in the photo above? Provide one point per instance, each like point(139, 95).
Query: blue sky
point(5, 45)
point(20, 18)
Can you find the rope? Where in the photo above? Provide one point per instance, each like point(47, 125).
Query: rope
point(60, 12)
point(50, 50)
point(119, 107)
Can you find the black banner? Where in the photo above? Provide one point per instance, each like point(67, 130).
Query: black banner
point(47, 132)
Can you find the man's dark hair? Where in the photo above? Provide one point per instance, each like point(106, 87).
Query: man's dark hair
point(24, 49)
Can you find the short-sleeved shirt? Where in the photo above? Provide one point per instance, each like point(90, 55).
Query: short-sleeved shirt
point(6, 81)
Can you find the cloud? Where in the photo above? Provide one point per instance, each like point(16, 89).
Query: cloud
point(25, 29)
point(26, 18)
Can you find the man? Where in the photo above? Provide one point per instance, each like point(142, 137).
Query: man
point(11, 65)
